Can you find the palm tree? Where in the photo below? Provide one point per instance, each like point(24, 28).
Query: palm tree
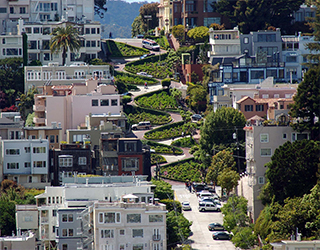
point(64, 38)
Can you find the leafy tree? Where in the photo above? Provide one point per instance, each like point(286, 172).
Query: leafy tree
point(137, 26)
point(235, 213)
point(216, 26)
point(293, 165)
point(100, 8)
point(219, 127)
point(221, 161)
point(26, 103)
point(149, 9)
point(253, 15)
point(176, 94)
point(178, 228)
point(244, 238)
point(126, 99)
point(172, 205)
point(197, 97)
point(64, 38)
point(7, 216)
point(228, 180)
point(306, 105)
point(35, 63)
point(199, 34)
point(163, 190)
point(178, 32)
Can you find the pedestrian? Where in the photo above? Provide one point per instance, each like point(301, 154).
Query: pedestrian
point(110, 35)
point(145, 85)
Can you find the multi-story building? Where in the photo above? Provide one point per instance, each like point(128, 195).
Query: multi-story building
point(26, 240)
point(69, 105)
point(10, 129)
point(261, 142)
point(69, 159)
point(51, 133)
point(25, 162)
point(65, 214)
point(78, 73)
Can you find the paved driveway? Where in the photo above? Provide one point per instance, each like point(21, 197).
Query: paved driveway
point(201, 238)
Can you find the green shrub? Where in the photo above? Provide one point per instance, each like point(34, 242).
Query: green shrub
point(166, 82)
point(187, 169)
point(117, 49)
point(128, 78)
point(155, 158)
point(126, 99)
point(170, 131)
point(160, 148)
point(159, 101)
point(186, 142)
point(138, 114)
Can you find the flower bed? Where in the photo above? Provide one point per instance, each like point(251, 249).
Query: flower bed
point(137, 114)
point(158, 100)
point(155, 158)
point(186, 142)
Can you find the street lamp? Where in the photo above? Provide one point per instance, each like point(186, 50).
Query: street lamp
point(235, 137)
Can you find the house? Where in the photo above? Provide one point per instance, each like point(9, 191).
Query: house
point(69, 105)
point(27, 219)
point(10, 129)
point(261, 142)
point(26, 240)
point(25, 162)
point(69, 159)
point(296, 244)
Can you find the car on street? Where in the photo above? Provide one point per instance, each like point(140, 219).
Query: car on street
point(140, 36)
point(221, 236)
point(208, 206)
point(196, 117)
point(144, 74)
point(141, 125)
point(215, 227)
point(147, 55)
point(186, 206)
point(214, 201)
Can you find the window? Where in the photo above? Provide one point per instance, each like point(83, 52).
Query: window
point(70, 232)
point(67, 217)
point(264, 138)
point(107, 233)
point(297, 136)
point(57, 138)
point(11, 11)
point(259, 107)
point(39, 164)
point(130, 147)
point(114, 102)
point(87, 30)
point(260, 180)
point(39, 150)
point(12, 151)
point(137, 247)
point(3, 10)
point(137, 233)
point(51, 138)
point(70, 217)
point(121, 232)
point(257, 74)
point(82, 161)
point(28, 218)
point(266, 37)
point(104, 102)
point(36, 30)
point(22, 10)
point(246, 40)
point(65, 162)
point(133, 218)
point(156, 246)
point(155, 218)
point(121, 247)
point(248, 108)
point(93, 44)
point(28, 30)
point(100, 217)
point(284, 136)
point(54, 213)
point(94, 103)
point(130, 164)
point(265, 151)
point(27, 149)
point(27, 164)
point(64, 232)
point(13, 165)
point(291, 59)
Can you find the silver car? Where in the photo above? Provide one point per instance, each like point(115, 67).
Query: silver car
point(186, 205)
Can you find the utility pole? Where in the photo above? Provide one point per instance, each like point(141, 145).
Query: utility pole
point(235, 137)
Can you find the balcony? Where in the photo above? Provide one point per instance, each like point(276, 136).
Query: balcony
point(156, 237)
point(39, 108)
point(44, 220)
point(37, 120)
point(18, 15)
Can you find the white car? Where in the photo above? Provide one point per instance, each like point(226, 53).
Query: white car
point(144, 74)
point(186, 205)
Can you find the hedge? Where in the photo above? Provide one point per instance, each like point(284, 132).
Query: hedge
point(148, 59)
point(156, 117)
point(143, 79)
point(155, 158)
point(115, 49)
point(167, 148)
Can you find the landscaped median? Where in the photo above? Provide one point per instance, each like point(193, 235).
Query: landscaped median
point(117, 49)
point(128, 78)
point(138, 114)
point(184, 170)
point(170, 131)
point(163, 149)
point(159, 100)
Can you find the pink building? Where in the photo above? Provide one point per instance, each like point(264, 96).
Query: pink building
point(68, 105)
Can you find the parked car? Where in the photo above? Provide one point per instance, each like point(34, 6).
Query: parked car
point(141, 125)
point(215, 202)
point(186, 205)
point(196, 117)
point(147, 55)
point(215, 227)
point(204, 194)
point(140, 36)
point(208, 206)
point(144, 74)
point(221, 236)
